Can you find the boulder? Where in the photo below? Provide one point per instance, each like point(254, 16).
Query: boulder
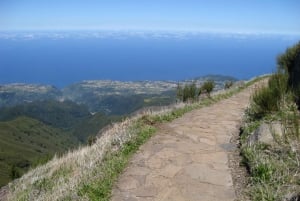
point(266, 133)
point(292, 197)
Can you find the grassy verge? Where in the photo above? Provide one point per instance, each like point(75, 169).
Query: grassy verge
point(90, 172)
point(273, 166)
point(113, 164)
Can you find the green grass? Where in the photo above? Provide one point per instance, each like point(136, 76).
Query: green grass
point(273, 172)
point(91, 126)
point(25, 143)
point(267, 99)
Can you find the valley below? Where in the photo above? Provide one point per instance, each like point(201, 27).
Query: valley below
point(38, 121)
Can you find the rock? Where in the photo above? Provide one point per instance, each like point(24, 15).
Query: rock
point(266, 132)
point(292, 197)
point(3, 193)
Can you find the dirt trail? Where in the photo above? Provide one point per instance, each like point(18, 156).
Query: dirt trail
point(187, 160)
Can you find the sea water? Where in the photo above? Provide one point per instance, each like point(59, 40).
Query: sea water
point(66, 57)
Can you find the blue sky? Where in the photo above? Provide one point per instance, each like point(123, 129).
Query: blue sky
point(250, 16)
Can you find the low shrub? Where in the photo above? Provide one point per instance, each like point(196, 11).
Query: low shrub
point(289, 62)
point(267, 99)
point(91, 140)
point(207, 87)
point(228, 84)
point(187, 93)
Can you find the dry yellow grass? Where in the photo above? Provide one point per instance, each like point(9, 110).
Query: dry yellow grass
point(62, 177)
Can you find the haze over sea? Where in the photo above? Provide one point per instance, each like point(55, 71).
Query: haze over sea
point(63, 58)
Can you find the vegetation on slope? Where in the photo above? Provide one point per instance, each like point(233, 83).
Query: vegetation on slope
point(35, 131)
point(127, 104)
point(289, 63)
point(39, 103)
point(26, 142)
point(92, 125)
point(89, 173)
point(66, 119)
point(274, 166)
point(190, 92)
point(62, 115)
point(68, 116)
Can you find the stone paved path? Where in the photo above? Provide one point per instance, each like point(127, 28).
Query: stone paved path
point(187, 160)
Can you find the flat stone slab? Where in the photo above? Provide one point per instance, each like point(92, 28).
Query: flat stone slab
point(187, 159)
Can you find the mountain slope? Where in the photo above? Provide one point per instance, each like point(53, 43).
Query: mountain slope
point(25, 141)
point(63, 115)
point(92, 125)
point(116, 97)
point(103, 95)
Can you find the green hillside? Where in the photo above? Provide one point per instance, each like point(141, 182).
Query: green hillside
point(124, 105)
point(33, 132)
point(92, 125)
point(63, 115)
point(24, 142)
point(67, 115)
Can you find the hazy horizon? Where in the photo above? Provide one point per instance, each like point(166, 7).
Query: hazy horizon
point(62, 42)
point(61, 58)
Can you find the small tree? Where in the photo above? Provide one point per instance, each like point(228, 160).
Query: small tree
point(289, 63)
point(186, 93)
point(14, 172)
point(207, 87)
point(189, 92)
point(179, 92)
point(91, 140)
point(192, 91)
point(199, 92)
point(228, 84)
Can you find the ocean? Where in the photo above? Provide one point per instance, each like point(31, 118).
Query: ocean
point(64, 58)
